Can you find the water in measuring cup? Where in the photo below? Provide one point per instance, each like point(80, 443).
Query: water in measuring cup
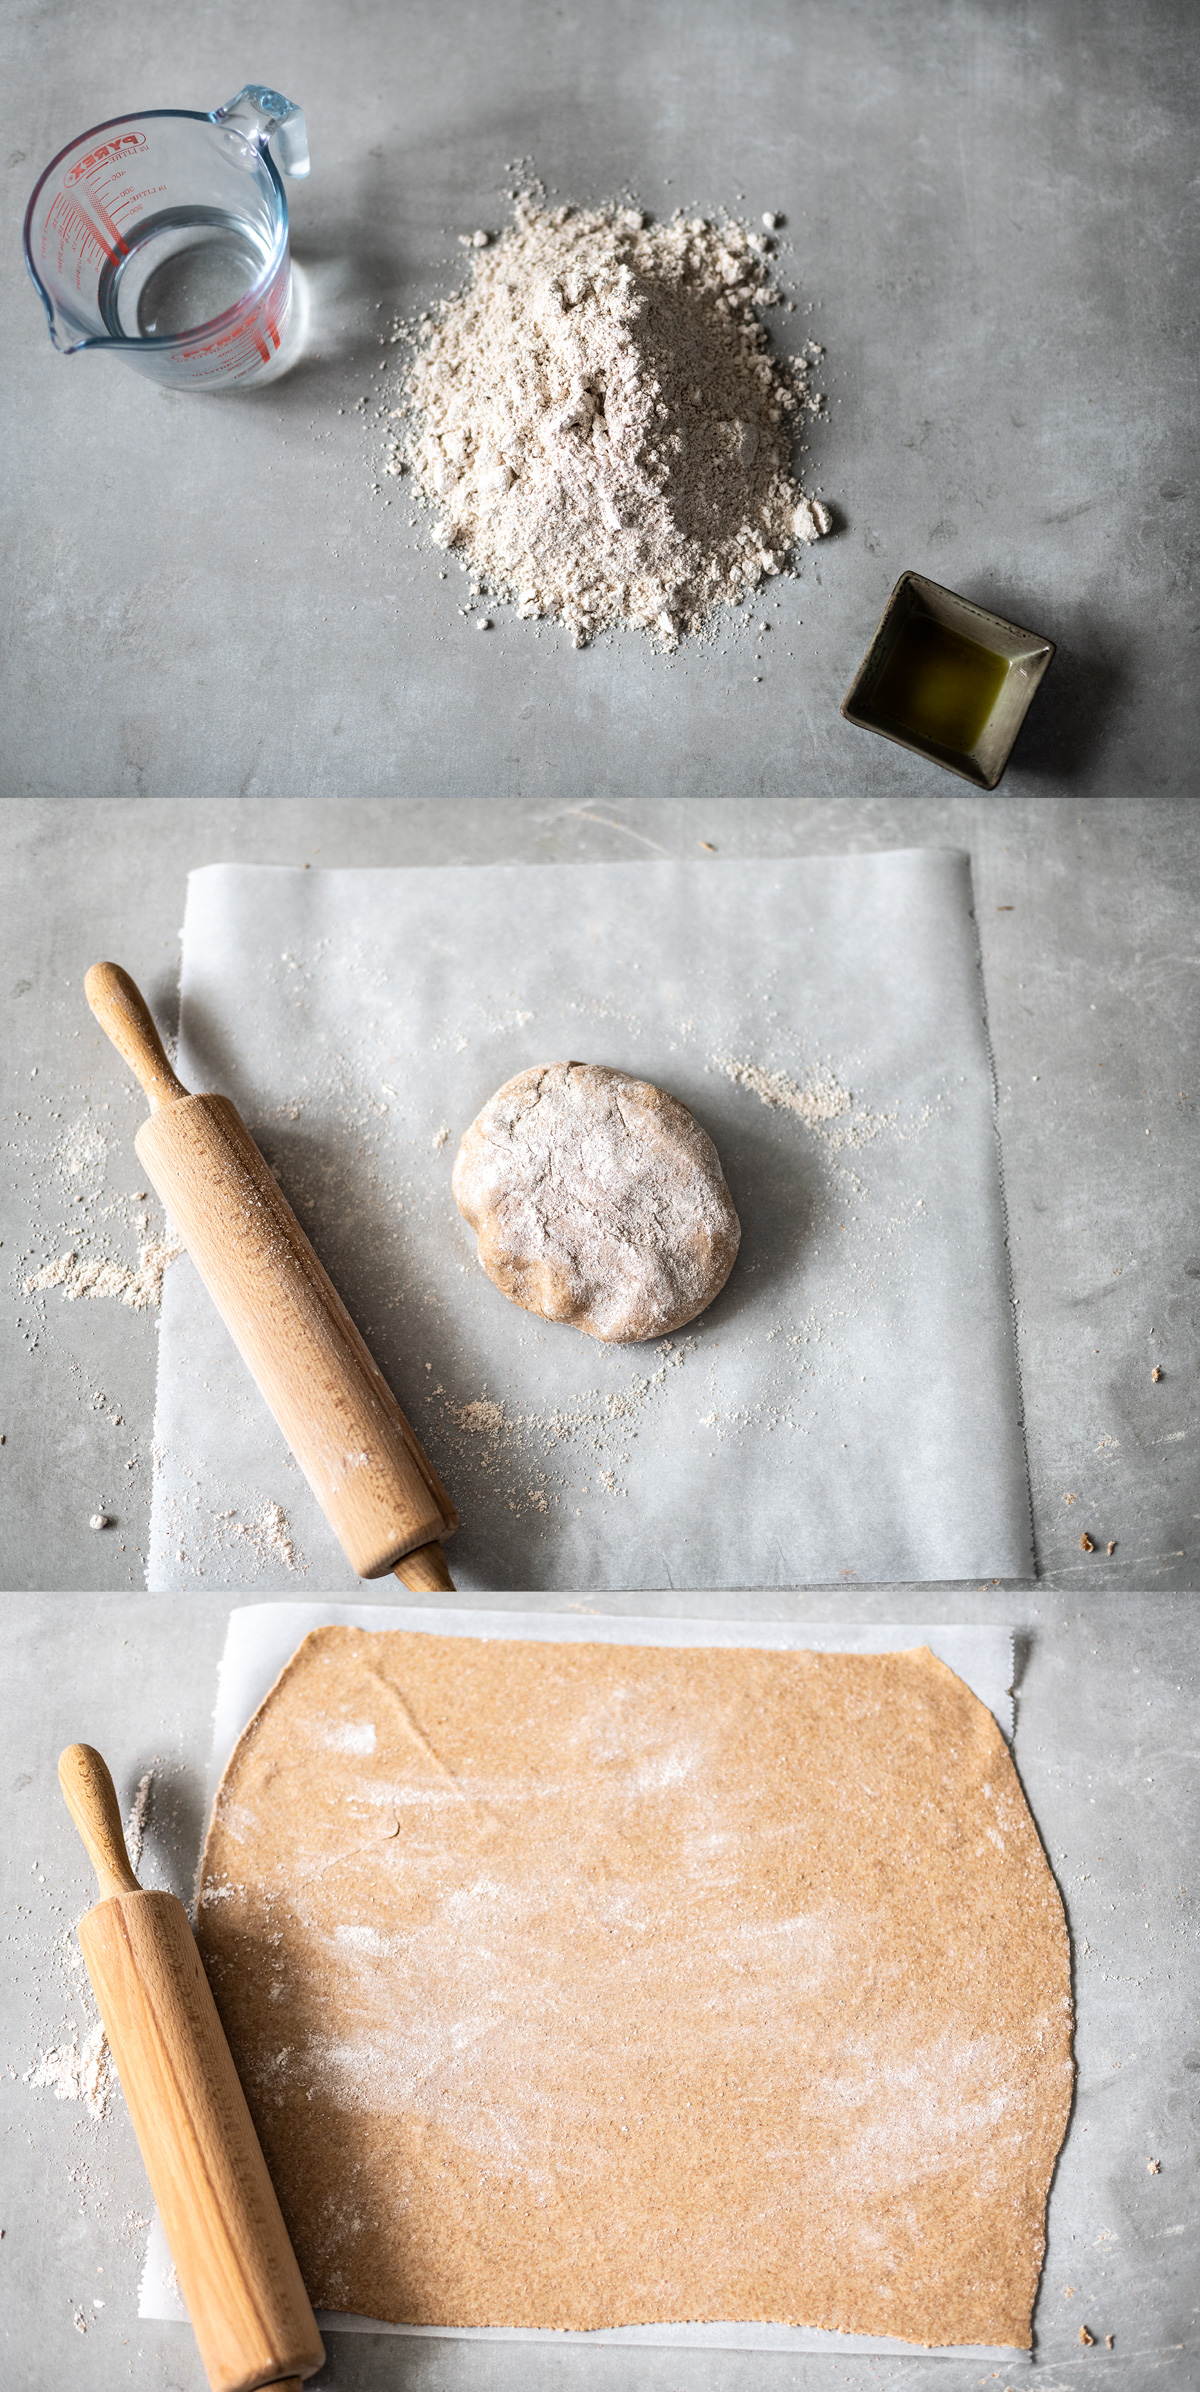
point(184, 267)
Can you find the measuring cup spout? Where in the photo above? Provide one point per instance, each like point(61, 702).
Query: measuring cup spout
point(265, 115)
point(66, 336)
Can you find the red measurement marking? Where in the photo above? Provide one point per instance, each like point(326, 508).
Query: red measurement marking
point(120, 246)
point(119, 147)
point(76, 231)
point(92, 233)
point(137, 200)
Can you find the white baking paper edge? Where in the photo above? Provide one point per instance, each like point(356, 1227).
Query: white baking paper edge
point(263, 1636)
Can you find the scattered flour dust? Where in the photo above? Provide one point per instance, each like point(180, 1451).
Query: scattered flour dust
point(84, 1236)
point(482, 1418)
point(207, 1534)
point(94, 1264)
point(821, 1102)
point(135, 1825)
point(824, 1099)
point(504, 1447)
point(100, 1275)
point(268, 1535)
point(72, 2065)
point(83, 2071)
point(601, 424)
point(77, 2071)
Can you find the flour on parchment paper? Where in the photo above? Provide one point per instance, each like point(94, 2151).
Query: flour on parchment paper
point(135, 1824)
point(268, 1536)
point(517, 1454)
point(820, 1101)
point(520, 1455)
point(347, 1147)
point(207, 1531)
point(601, 425)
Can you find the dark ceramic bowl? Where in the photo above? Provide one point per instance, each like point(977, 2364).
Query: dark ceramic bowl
point(1023, 656)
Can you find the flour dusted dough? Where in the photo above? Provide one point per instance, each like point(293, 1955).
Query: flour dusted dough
point(597, 1199)
point(590, 1985)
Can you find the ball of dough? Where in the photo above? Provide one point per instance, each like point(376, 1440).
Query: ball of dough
point(597, 1199)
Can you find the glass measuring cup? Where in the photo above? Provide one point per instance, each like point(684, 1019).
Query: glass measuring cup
point(164, 237)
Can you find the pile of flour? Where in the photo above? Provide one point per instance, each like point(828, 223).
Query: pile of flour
point(599, 421)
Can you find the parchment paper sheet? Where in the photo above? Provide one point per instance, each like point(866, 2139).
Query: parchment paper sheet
point(260, 1639)
point(848, 1408)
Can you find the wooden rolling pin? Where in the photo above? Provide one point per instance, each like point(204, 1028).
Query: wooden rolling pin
point(237, 2271)
point(377, 1489)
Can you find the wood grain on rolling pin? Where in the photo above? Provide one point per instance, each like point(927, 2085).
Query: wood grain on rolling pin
point(293, 1331)
point(236, 2268)
point(377, 1488)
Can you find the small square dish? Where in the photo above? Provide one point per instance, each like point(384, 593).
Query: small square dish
point(948, 680)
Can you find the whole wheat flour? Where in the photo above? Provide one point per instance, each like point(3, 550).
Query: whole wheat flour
point(77, 2072)
point(600, 421)
point(589, 1985)
point(597, 1199)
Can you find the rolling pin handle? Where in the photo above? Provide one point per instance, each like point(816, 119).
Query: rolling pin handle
point(91, 1799)
point(122, 1011)
point(424, 1572)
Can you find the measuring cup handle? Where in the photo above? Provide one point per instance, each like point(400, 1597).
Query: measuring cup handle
point(265, 115)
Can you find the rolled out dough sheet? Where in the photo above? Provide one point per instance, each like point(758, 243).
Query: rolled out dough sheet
point(848, 1408)
point(717, 1859)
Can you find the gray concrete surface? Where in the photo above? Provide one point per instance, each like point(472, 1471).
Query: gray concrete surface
point(1087, 918)
point(1106, 1746)
point(988, 210)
